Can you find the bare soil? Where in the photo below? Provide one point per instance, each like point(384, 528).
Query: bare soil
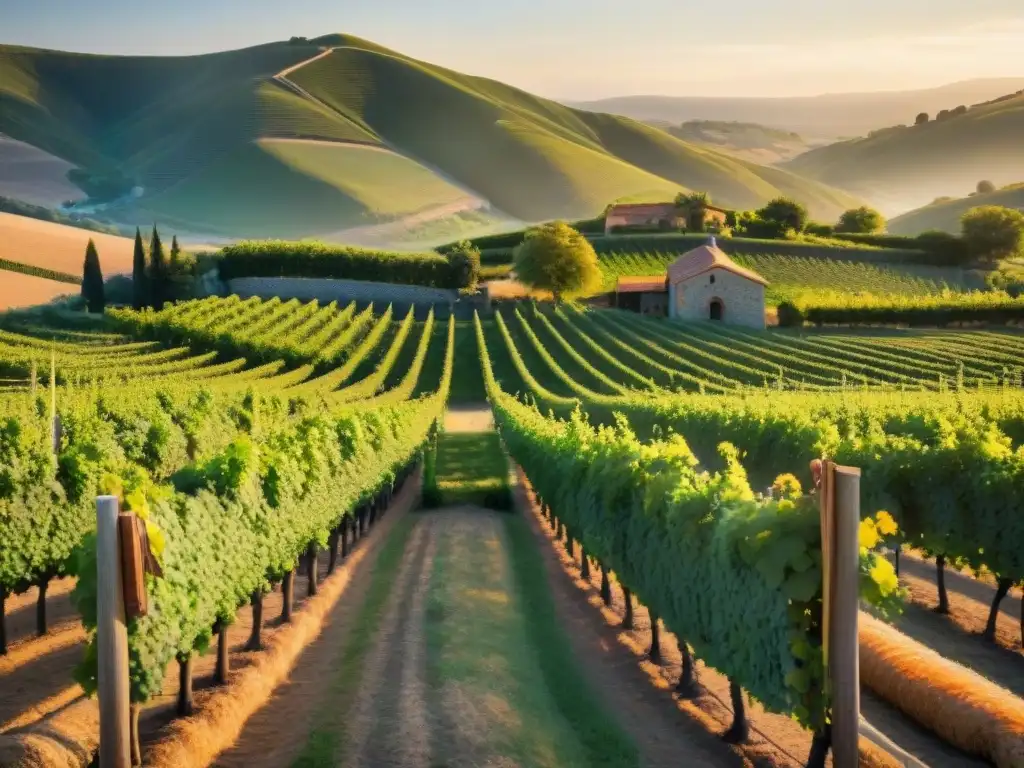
point(59, 247)
point(18, 290)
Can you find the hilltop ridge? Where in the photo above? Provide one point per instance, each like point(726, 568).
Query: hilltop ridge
point(316, 137)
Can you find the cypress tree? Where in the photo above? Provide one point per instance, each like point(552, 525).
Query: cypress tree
point(157, 272)
point(175, 251)
point(140, 280)
point(92, 280)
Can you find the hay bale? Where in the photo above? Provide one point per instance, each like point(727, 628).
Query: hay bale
point(66, 739)
point(960, 706)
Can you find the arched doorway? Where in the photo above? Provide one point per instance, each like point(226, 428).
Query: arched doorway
point(717, 309)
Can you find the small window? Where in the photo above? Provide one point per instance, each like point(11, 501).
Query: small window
point(712, 279)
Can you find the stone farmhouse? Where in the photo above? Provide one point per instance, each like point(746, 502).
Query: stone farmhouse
point(694, 216)
point(703, 284)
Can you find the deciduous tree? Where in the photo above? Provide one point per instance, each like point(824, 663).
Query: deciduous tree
point(92, 280)
point(993, 232)
point(786, 213)
point(555, 257)
point(863, 220)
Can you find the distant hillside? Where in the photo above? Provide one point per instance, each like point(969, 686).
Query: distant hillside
point(338, 137)
point(749, 141)
point(905, 167)
point(945, 213)
point(829, 116)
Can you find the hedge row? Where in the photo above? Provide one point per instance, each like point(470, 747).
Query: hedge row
point(942, 246)
point(495, 255)
point(937, 310)
point(48, 274)
point(276, 258)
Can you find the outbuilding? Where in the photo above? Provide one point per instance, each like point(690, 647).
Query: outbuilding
point(705, 284)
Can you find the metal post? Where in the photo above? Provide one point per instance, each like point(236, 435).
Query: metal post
point(844, 661)
point(111, 640)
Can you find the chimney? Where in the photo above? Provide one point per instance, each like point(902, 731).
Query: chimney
point(712, 242)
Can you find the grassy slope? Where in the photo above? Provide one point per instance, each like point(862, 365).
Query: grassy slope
point(182, 127)
point(917, 163)
point(946, 215)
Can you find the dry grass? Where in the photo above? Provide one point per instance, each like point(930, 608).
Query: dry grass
point(960, 706)
point(67, 739)
point(60, 248)
point(18, 290)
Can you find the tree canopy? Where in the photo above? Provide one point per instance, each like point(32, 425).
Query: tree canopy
point(984, 187)
point(992, 232)
point(863, 220)
point(555, 257)
point(786, 213)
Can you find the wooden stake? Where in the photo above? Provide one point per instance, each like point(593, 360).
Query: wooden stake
point(844, 663)
point(287, 595)
point(111, 640)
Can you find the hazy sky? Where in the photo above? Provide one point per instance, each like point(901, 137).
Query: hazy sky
point(584, 48)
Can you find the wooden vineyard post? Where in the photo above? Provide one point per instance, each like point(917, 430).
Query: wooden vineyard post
point(111, 639)
point(840, 524)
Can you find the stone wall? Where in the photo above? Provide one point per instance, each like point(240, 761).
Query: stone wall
point(342, 291)
point(742, 299)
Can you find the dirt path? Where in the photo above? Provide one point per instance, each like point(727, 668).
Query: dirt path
point(468, 418)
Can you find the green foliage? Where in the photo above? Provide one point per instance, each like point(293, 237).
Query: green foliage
point(993, 233)
point(274, 258)
point(92, 280)
point(140, 277)
point(940, 309)
point(555, 257)
point(158, 276)
point(464, 260)
point(736, 576)
point(784, 214)
point(863, 220)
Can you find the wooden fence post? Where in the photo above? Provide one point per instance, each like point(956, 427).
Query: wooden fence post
point(111, 639)
point(844, 662)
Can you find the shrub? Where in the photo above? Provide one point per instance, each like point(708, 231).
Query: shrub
point(985, 187)
point(790, 315)
point(276, 258)
point(464, 262)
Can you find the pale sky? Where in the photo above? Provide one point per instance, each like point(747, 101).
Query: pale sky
point(582, 49)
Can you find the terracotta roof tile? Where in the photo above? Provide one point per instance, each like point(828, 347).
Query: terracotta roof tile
point(704, 259)
point(629, 284)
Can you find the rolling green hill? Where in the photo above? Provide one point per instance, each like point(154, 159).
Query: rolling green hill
point(907, 166)
point(944, 214)
point(398, 139)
